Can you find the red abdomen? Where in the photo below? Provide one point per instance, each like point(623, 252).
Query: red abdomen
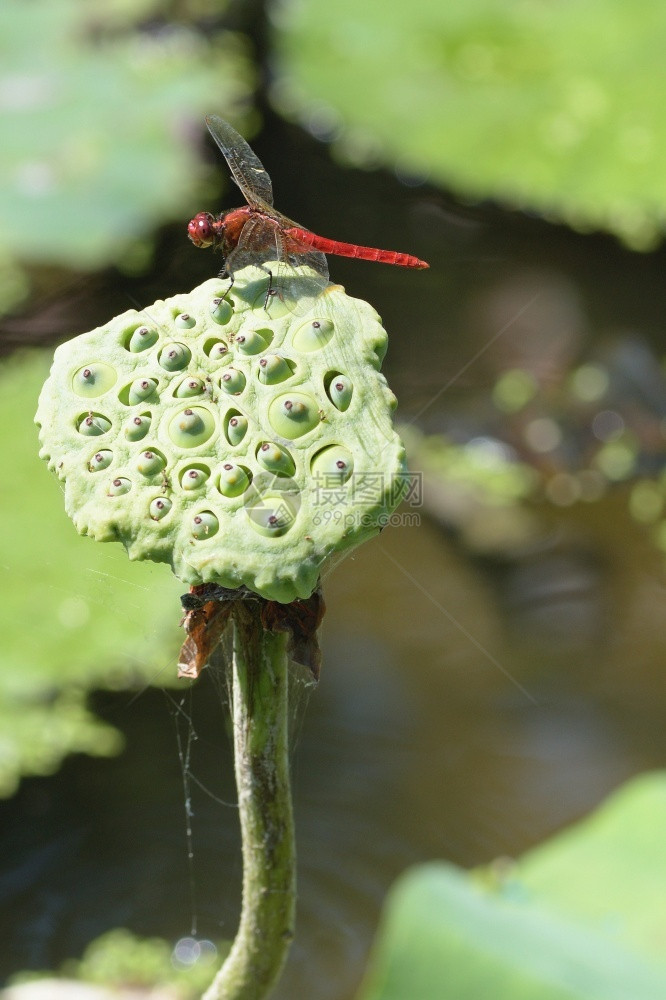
point(353, 250)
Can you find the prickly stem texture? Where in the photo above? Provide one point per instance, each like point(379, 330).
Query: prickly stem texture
point(260, 724)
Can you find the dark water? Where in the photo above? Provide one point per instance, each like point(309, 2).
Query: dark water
point(471, 704)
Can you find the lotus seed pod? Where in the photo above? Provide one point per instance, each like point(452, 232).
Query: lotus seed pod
point(137, 427)
point(233, 480)
point(142, 338)
point(228, 485)
point(221, 310)
point(232, 381)
point(159, 508)
point(274, 369)
point(236, 428)
point(273, 458)
point(174, 357)
point(184, 321)
point(141, 389)
point(250, 342)
point(100, 460)
point(93, 424)
point(340, 391)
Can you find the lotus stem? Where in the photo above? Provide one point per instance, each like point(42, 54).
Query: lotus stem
point(261, 753)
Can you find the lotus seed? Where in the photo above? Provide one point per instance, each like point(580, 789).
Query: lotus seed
point(274, 369)
point(233, 480)
point(271, 516)
point(250, 342)
point(102, 460)
point(173, 357)
point(194, 478)
point(159, 508)
point(119, 486)
point(232, 381)
point(191, 427)
point(94, 380)
point(236, 429)
point(184, 321)
point(314, 335)
point(332, 466)
point(275, 459)
point(141, 389)
point(204, 525)
point(142, 339)
point(221, 311)
point(190, 387)
point(293, 415)
point(136, 428)
point(340, 391)
point(93, 424)
point(217, 350)
point(150, 463)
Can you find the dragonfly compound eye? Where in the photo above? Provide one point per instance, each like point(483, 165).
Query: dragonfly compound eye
point(200, 230)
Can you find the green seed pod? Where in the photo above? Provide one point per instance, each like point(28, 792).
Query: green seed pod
point(250, 342)
point(93, 424)
point(118, 487)
point(293, 414)
point(339, 391)
point(232, 381)
point(93, 380)
point(136, 428)
point(236, 428)
point(159, 508)
point(221, 310)
point(232, 480)
point(332, 466)
point(141, 389)
point(191, 386)
point(194, 477)
point(100, 460)
point(184, 321)
point(150, 463)
point(142, 338)
point(205, 525)
point(273, 458)
point(274, 369)
point(234, 495)
point(175, 357)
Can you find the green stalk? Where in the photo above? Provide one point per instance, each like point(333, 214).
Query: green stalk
point(260, 724)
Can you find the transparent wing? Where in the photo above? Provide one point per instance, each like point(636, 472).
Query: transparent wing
point(262, 244)
point(245, 166)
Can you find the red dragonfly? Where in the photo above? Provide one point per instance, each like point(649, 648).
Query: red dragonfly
point(257, 233)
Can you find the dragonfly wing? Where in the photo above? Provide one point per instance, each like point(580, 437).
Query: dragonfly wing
point(259, 242)
point(246, 168)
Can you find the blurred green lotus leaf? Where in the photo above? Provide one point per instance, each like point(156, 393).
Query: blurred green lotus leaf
point(99, 120)
point(579, 918)
point(62, 602)
point(556, 108)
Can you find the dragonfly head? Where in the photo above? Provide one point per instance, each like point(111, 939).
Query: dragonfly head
point(201, 230)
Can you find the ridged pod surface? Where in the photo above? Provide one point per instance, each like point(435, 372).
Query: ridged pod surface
point(173, 437)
